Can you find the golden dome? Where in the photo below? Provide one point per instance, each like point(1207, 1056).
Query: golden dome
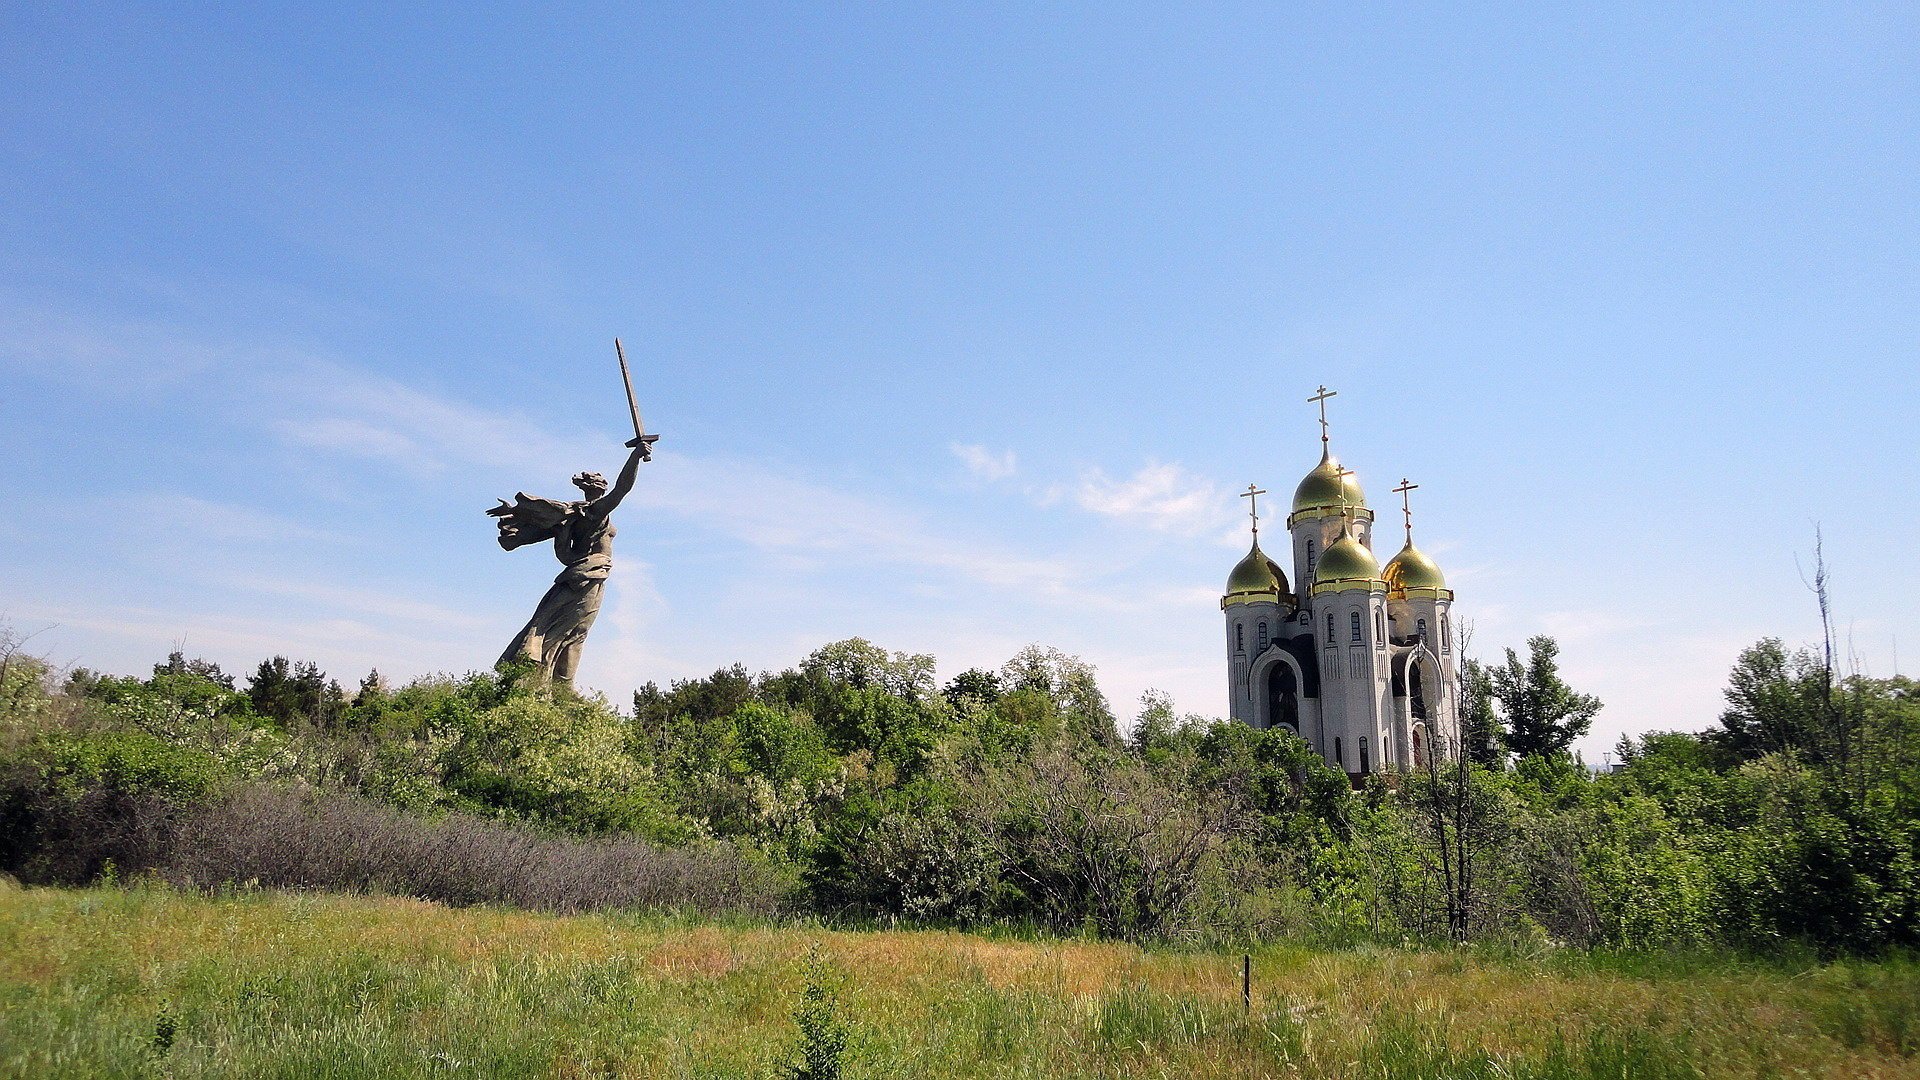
point(1321, 489)
point(1257, 577)
point(1412, 569)
point(1346, 564)
point(1412, 573)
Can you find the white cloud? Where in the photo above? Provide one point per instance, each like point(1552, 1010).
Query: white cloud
point(193, 520)
point(384, 603)
point(778, 512)
point(1163, 497)
point(984, 463)
point(758, 505)
point(126, 638)
point(340, 408)
point(127, 357)
point(360, 438)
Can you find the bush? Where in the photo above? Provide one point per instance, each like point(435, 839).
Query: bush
point(1098, 841)
point(550, 756)
point(74, 802)
point(279, 838)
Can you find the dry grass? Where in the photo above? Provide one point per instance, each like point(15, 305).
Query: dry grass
point(265, 984)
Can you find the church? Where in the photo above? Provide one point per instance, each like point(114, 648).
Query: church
point(1353, 657)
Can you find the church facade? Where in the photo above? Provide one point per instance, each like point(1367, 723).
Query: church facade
point(1356, 658)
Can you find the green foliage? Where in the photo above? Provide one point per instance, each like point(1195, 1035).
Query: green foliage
point(1482, 737)
point(165, 1027)
point(546, 754)
point(24, 694)
point(124, 762)
point(823, 1032)
point(1774, 701)
point(974, 685)
point(920, 849)
point(1543, 714)
point(1008, 797)
point(1069, 683)
point(295, 693)
point(859, 664)
point(1648, 887)
point(75, 802)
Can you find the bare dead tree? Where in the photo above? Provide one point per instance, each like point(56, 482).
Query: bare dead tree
point(1448, 799)
point(1835, 723)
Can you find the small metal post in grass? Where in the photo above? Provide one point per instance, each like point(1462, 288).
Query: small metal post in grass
point(1246, 982)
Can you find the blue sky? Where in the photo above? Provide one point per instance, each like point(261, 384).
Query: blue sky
point(962, 326)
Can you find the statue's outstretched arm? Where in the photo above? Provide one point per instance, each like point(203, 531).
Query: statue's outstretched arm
point(604, 505)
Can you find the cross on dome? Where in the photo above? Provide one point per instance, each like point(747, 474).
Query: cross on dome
point(1406, 503)
point(1252, 495)
point(1321, 399)
point(1340, 474)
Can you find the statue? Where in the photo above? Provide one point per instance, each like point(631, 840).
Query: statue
point(582, 535)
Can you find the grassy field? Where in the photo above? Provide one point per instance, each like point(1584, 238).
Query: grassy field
point(151, 982)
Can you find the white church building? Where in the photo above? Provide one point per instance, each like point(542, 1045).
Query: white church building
point(1353, 657)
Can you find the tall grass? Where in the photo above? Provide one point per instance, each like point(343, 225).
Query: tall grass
point(154, 981)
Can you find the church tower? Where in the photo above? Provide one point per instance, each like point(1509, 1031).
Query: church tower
point(1426, 674)
point(1257, 604)
point(1355, 658)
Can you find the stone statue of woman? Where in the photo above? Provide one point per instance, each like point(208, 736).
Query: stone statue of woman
point(582, 536)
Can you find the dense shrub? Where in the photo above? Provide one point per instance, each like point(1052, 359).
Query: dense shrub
point(275, 837)
point(1005, 797)
point(73, 802)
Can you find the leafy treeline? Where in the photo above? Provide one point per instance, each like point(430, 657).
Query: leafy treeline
point(857, 785)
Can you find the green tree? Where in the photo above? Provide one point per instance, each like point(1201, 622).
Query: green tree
point(550, 755)
point(294, 692)
point(1773, 701)
point(975, 685)
point(1543, 714)
point(861, 665)
point(1481, 736)
point(1071, 684)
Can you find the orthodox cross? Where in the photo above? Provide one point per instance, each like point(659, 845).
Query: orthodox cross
point(1252, 495)
point(1340, 474)
point(1321, 399)
point(1406, 503)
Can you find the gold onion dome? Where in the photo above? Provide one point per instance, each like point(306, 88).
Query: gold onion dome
point(1412, 573)
point(1346, 562)
point(1256, 576)
point(1412, 569)
point(1322, 488)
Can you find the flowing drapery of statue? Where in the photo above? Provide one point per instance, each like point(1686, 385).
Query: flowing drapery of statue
point(582, 534)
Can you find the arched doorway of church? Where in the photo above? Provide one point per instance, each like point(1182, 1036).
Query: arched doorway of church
point(1283, 699)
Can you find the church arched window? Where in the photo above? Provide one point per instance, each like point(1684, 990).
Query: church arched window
point(1309, 560)
point(1420, 628)
point(1355, 620)
point(1338, 759)
point(1365, 765)
point(1329, 627)
point(1446, 636)
point(1263, 633)
point(1239, 637)
point(1379, 629)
